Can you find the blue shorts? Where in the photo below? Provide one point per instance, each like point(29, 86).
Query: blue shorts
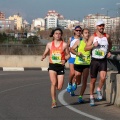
point(71, 60)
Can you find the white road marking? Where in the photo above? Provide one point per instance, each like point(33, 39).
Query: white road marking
point(63, 102)
point(3, 74)
point(18, 87)
point(13, 69)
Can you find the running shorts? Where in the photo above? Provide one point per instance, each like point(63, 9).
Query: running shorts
point(71, 60)
point(97, 65)
point(80, 68)
point(58, 68)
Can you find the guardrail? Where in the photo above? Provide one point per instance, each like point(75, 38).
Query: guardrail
point(114, 61)
point(111, 89)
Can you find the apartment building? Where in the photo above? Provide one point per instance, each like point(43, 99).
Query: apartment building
point(6, 25)
point(2, 16)
point(18, 21)
point(38, 23)
point(90, 20)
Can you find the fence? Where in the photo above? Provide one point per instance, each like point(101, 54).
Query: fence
point(33, 49)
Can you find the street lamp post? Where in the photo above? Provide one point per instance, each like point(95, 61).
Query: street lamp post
point(106, 18)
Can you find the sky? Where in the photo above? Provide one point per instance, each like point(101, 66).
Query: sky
point(70, 9)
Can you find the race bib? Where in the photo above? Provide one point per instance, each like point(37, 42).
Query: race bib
point(56, 57)
point(84, 59)
point(99, 52)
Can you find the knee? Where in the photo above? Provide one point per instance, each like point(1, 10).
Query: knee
point(84, 84)
point(53, 83)
point(78, 82)
point(59, 88)
point(102, 79)
point(72, 73)
point(93, 81)
point(78, 79)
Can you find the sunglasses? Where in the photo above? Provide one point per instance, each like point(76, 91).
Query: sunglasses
point(102, 25)
point(78, 30)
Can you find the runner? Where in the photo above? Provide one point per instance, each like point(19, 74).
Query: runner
point(71, 84)
point(59, 53)
point(100, 44)
point(82, 62)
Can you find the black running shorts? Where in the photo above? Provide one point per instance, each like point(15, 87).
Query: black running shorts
point(80, 68)
point(58, 68)
point(97, 65)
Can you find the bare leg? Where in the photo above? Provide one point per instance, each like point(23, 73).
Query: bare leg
point(92, 85)
point(78, 77)
point(84, 81)
point(60, 81)
point(102, 79)
point(72, 73)
point(53, 78)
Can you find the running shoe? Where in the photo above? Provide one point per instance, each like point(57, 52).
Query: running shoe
point(69, 88)
point(54, 105)
point(99, 95)
point(72, 93)
point(80, 100)
point(92, 103)
point(74, 86)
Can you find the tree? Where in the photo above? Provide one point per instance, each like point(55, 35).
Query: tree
point(31, 40)
point(3, 37)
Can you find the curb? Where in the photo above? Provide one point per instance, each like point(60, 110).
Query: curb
point(25, 68)
point(20, 68)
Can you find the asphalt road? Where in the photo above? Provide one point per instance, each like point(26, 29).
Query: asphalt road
point(26, 96)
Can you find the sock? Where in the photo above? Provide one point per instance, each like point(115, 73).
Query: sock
point(80, 96)
point(70, 83)
point(53, 101)
point(98, 89)
point(91, 96)
point(74, 83)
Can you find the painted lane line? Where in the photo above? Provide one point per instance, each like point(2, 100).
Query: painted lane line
point(63, 102)
point(18, 87)
point(13, 69)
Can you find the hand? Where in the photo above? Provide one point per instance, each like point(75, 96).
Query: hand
point(79, 54)
point(109, 54)
point(63, 62)
point(43, 57)
point(95, 44)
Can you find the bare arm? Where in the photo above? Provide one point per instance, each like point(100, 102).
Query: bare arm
point(89, 45)
point(109, 42)
point(45, 52)
point(72, 49)
point(68, 43)
point(67, 52)
point(109, 46)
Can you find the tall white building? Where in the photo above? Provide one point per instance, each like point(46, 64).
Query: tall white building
point(62, 23)
point(38, 23)
point(51, 19)
point(72, 24)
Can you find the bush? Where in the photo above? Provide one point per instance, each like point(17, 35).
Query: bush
point(3, 37)
point(31, 40)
